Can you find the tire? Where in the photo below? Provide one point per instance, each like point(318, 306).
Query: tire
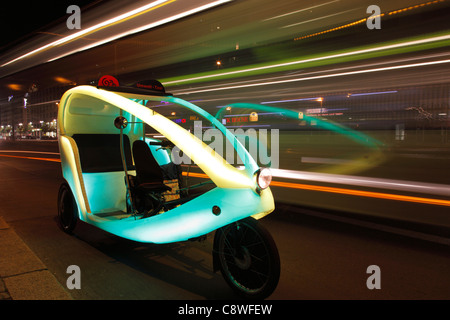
point(67, 209)
point(248, 258)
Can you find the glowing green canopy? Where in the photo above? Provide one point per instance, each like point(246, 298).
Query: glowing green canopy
point(90, 110)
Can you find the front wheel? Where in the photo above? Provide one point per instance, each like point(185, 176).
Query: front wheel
point(67, 209)
point(247, 258)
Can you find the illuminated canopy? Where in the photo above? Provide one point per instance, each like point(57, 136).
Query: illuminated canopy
point(92, 110)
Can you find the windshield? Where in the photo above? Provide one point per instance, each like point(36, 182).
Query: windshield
point(199, 123)
point(89, 110)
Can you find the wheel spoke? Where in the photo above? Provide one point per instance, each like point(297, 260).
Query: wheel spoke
point(260, 258)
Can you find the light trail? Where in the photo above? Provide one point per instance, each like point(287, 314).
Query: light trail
point(371, 17)
point(102, 25)
point(276, 66)
point(345, 191)
point(398, 67)
point(367, 194)
point(143, 28)
point(116, 20)
point(308, 187)
point(319, 18)
point(329, 70)
point(399, 185)
point(301, 10)
point(26, 151)
point(31, 158)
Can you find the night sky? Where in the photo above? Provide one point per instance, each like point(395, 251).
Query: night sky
point(21, 19)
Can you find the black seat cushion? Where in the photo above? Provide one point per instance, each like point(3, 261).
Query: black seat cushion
point(101, 152)
point(149, 174)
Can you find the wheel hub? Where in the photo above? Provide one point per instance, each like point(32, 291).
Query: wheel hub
point(242, 258)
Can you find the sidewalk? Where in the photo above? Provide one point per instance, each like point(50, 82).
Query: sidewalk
point(23, 276)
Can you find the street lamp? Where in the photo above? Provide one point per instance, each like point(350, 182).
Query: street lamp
point(320, 100)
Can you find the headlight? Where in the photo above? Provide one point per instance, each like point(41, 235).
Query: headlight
point(263, 178)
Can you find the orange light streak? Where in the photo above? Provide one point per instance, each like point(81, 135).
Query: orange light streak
point(352, 192)
point(368, 194)
point(195, 175)
point(365, 19)
point(291, 185)
point(32, 158)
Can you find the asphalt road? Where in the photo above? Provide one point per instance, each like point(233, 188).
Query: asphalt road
point(321, 259)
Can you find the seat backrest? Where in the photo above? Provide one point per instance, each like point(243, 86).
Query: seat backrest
point(147, 168)
point(101, 152)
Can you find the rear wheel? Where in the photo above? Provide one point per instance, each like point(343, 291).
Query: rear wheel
point(248, 258)
point(67, 209)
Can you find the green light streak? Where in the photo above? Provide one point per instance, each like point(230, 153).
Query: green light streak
point(367, 160)
point(358, 137)
point(412, 44)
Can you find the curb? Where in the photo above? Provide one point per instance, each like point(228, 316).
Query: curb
point(23, 276)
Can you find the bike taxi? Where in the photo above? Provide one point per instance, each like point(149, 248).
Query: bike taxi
point(126, 182)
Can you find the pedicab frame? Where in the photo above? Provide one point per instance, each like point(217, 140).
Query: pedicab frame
point(237, 194)
point(100, 197)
